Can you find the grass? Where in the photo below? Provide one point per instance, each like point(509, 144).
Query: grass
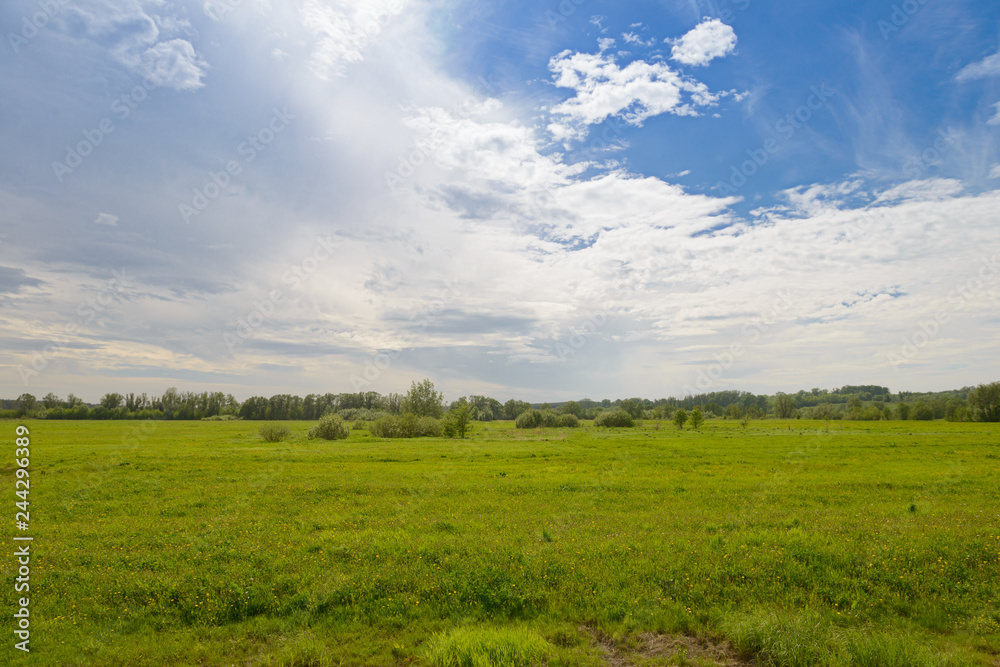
point(178, 543)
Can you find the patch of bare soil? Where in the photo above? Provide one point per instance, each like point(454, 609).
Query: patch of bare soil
point(651, 645)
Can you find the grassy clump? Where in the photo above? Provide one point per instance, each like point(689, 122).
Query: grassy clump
point(486, 647)
point(330, 427)
point(790, 639)
point(274, 432)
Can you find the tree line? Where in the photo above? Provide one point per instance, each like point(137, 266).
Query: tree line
point(856, 402)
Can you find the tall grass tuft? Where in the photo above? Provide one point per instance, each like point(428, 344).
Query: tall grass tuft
point(486, 647)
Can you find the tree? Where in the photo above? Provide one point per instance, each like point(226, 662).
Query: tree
point(26, 404)
point(72, 402)
point(696, 418)
point(680, 417)
point(51, 401)
point(513, 409)
point(923, 412)
point(984, 402)
point(170, 402)
point(456, 422)
point(784, 406)
point(111, 401)
point(423, 401)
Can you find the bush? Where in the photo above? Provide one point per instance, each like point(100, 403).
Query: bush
point(529, 419)
point(427, 427)
point(614, 419)
point(569, 421)
point(550, 419)
point(330, 427)
point(405, 426)
point(213, 418)
point(274, 432)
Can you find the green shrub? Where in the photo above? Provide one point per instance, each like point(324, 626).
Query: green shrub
point(569, 421)
point(529, 419)
point(550, 419)
point(330, 427)
point(274, 432)
point(427, 427)
point(408, 425)
point(615, 419)
point(486, 647)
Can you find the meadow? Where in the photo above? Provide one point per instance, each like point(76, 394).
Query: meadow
point(779, 542)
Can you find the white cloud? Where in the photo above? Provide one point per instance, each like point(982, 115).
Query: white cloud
point(343, 30)
point(137, 40)
point(995, 120)
point(984, 69)
point(634, 92)
point(935, 189)
point(107, 219)
point(173, 64)
point(995, 172)
point(710, 39)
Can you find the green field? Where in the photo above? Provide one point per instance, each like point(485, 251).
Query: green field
point(784, 542)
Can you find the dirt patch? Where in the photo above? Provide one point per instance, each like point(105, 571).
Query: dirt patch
point(651, 645)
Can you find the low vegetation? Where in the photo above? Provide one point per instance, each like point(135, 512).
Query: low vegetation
point(785, 542)
point(330, 427)
point(274, 432)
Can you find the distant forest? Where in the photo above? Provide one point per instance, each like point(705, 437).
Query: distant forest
point(860, 402)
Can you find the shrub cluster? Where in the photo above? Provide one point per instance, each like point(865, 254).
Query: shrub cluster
point(546, 418)
point(330, 427)
point(405, 426)
point(614, 418)
point(529, 419)
point(274, 432)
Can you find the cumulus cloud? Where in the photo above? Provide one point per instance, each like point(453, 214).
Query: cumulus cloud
point(173, 64)
point(984, 69)
point(634, 92)
point(139, 41)
point(710, 39)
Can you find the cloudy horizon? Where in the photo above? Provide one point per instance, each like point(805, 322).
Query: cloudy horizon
point(537, 201)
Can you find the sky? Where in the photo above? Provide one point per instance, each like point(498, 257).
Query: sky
point(536, 200)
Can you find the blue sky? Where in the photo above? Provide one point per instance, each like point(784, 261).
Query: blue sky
point(531, 200)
